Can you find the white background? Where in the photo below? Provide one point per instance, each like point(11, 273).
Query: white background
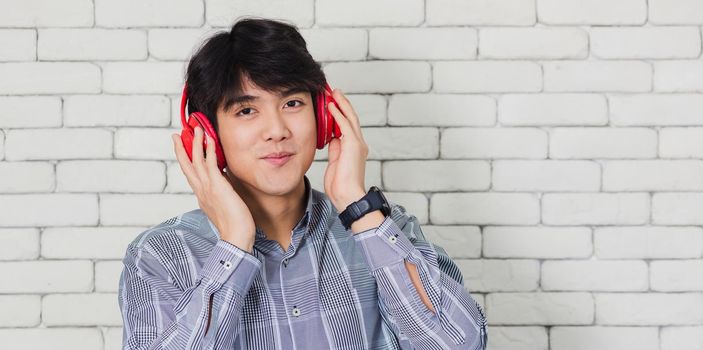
point(552, 147)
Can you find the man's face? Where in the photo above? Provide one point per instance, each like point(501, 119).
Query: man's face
point(251, 129)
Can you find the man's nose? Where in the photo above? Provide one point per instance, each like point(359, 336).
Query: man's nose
point(277, 127)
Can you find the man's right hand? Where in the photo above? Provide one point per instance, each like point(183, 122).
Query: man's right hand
point(216, 196)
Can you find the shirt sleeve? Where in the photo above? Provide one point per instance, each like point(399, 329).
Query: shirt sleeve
point(159, 314)
point(459, 322)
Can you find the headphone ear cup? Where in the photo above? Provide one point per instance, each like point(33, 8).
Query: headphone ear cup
point(327, 127)
point(321, 119)
point(188, 134)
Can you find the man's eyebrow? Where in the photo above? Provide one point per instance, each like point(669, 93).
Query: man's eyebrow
point(233, 101)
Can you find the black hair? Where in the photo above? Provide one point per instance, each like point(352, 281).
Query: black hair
point(272, 54)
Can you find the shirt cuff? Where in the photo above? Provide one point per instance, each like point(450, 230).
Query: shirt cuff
point(232, 265)
point(384, 245)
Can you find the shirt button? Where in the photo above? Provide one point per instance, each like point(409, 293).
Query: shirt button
point(227, 265)
point(392, 239)
point(285, 262)
point(296, 311)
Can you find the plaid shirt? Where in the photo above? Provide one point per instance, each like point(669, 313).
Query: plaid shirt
point(182, 287)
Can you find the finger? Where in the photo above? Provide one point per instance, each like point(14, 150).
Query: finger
point(210, 156)
point(198, 157)
point(344, 124)
point(184, 162)
point(346, 108)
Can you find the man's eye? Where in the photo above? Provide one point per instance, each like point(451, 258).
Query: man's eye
point(288, 103)
point(244, 109)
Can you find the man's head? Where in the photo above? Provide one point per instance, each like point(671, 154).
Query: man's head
point(256, 84)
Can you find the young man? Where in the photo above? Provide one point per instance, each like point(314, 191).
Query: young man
point(267, 262)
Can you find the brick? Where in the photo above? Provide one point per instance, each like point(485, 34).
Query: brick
point(107, 275)
point(651, 242)
point(126, 210)
point(436, 175)
point(595, 208)
point(484, 208)
point(148, 13)
point(380, 76)
point(68, 143)
point(518, 338)
point(39, 78)
point(145, 143)
point(371, 109)
point(486, 76)
point(48, 209)
point(500, 275)
point(110, 176)
point(143, 77)
point(597, 76)
point(604, 142)
point(27, 177)
point(656, 109)
point(113, 338)
point(677, 208)
point(81, 310)
point(441, 110)
point(552, 109)
point(167, 44)
point(645, 42)
point(544, 308)
point(23, 43)
point(545, 176)
point(58, 44)
point(681, 338)
point(47, 276)
point(391, 143)
point(681, 142)
point(19, 243)
point(594, 275)
point(675, 276)
point(52, 338)
point(648, 309)
point(45, 111)
point(479, 12)
point(47, 13)
point(87, 242)
point(537, 242)
point(414, 203)
point(116, 110)
point(350, 44)
point(369, 13)
point(653, 175)
point(594, 12)
point(678, 76)
point(225, 13)
point(317, 170)
point(493, 143)
point(20, 310)
point(458, 241)
point(428, 43)
point(597, 337)
point(675, 12)
point(535, 43)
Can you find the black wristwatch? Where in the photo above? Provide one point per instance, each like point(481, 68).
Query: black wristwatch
point(372, 201)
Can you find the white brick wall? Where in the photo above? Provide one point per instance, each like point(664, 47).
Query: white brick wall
point(563, 140)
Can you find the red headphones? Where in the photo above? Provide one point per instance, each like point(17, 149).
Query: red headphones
point(327, 127)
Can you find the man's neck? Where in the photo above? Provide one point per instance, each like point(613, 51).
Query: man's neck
point(276, 216)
